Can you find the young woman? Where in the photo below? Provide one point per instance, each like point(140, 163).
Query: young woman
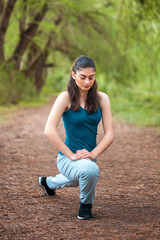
point(81, 108)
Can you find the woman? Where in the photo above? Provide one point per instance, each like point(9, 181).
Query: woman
point(81, 108)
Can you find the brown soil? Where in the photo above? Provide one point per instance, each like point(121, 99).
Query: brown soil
point(127, 202)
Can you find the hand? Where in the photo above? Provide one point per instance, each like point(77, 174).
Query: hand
point(73, 157)
point(84, 154)
point(77, 156)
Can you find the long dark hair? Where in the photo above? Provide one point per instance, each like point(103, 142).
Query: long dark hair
point(92, 100)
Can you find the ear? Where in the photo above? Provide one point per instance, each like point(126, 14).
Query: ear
point(73, 75)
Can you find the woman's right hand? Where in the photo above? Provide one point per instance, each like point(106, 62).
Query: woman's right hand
point(74, 157)
point(81, 154)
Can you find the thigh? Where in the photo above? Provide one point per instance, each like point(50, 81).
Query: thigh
point(73, 169)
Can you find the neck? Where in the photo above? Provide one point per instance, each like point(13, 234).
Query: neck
point(83, 95)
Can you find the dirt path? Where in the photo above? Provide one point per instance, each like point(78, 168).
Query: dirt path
point(127, 203)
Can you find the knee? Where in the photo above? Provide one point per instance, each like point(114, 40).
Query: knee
point(91, 171)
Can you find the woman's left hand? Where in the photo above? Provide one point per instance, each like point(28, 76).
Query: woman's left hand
point(83, 153)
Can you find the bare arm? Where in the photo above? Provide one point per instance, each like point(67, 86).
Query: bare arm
point(107, 127)
point(108, 130)
point(50, 131)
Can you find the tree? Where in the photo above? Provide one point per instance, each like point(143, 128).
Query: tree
point(41, 30)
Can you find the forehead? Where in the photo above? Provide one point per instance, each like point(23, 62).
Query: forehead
point(86, 71)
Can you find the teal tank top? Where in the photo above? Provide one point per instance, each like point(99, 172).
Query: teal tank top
point(81, 129)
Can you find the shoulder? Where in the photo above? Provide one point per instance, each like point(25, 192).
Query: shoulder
point(63, 99)
point(103, 99)
point(63, 95)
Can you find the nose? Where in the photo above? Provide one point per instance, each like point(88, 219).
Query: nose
point(86, 81)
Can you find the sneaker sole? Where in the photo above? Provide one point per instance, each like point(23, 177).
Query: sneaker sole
point(83, 218)
point(42, 186)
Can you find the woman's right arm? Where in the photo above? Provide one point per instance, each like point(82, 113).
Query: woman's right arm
point(53, 120)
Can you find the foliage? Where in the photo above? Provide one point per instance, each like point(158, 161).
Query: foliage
point(135, 105)
point(14, 86)
point(122, 36)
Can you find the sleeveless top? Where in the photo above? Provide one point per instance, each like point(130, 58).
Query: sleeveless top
point(81, 129)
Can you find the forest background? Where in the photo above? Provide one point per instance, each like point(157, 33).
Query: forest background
point(39, 40)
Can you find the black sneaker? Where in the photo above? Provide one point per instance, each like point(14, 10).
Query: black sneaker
point(85, 211)
point(43, 184)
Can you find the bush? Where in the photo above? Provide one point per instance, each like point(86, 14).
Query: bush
point(14, 85)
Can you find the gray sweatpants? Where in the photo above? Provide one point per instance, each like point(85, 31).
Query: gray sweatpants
point(83, 173)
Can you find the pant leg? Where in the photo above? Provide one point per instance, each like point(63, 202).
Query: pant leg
point(85, 171)
point(60, 181)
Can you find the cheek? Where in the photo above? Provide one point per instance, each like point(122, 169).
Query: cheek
point(92, 82)
point(79, 82)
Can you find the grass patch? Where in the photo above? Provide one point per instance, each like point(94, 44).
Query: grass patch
point(140, 109)
point(6, 112)
point(35, 102)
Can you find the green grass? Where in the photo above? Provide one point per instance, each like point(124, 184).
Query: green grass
point(6, 112)
point(135, 113)
point(141, 109)
point(34, 103)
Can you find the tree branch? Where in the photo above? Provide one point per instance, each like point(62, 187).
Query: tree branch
point(47, 65)
point(39, 55)
point(34, 60)
point(23, 18)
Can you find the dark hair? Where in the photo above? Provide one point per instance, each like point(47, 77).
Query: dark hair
point(92, 100)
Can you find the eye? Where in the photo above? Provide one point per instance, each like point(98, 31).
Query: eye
point(91, 78)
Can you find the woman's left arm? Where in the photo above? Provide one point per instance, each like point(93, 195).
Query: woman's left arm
point(108, 130)
point(107, 123)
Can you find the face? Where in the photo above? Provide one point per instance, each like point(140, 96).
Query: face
point(84, 78)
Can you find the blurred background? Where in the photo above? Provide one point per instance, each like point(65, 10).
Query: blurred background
point(39, 40)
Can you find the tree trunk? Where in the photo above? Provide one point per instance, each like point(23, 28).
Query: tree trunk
point(26, 37)
point(40, 70)
point(6, 14)
point(1, 6)
point(39, 73)
point(37, 63)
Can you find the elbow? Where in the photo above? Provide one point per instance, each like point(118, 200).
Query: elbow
point(112, 139)
point(110, 136)
point(46, 132)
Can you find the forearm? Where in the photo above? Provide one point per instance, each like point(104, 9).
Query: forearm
point(103, 145)
point(57, 142)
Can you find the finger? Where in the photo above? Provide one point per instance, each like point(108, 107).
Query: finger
point(84, 152)
point(84, 156)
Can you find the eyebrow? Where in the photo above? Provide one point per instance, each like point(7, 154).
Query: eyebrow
point(85, 75)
